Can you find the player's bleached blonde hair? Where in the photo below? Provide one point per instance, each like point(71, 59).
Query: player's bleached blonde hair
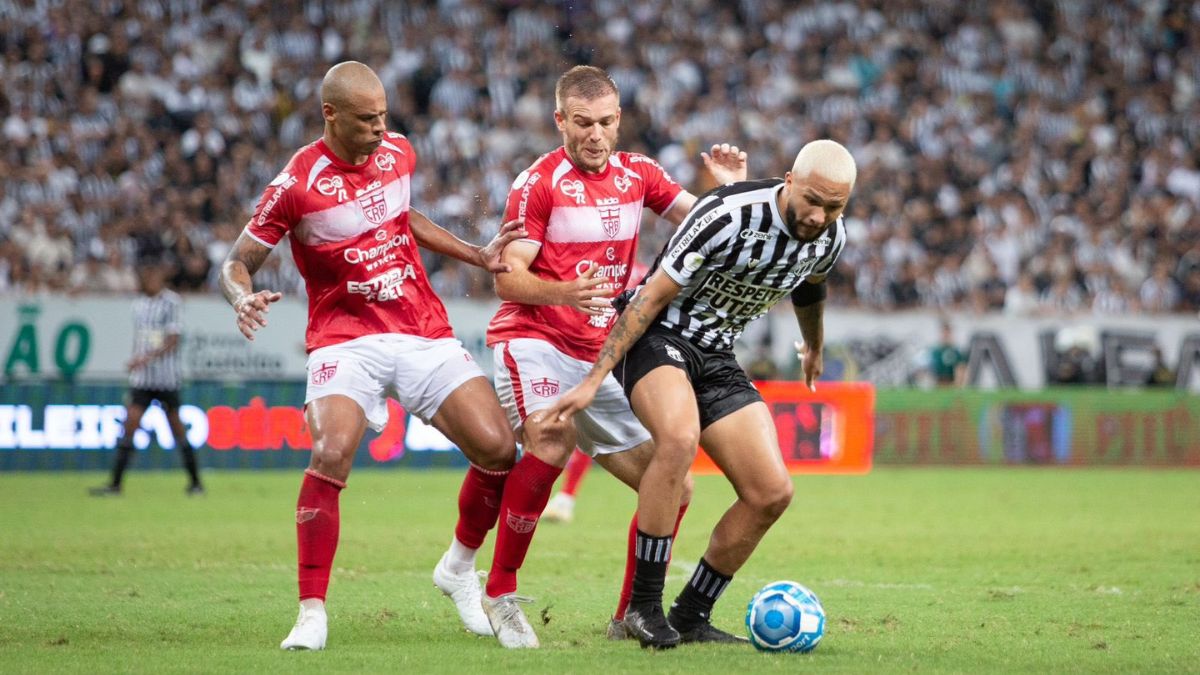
point(828, 159)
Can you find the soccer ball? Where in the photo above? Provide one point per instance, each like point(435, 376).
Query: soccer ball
point(785, 617)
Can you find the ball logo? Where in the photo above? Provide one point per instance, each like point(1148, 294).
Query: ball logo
point(520, 524)
point(574, 190)
point(324, 373)
point(385, 161)
point(693, 261)
point(674, 353)
point(544, 387)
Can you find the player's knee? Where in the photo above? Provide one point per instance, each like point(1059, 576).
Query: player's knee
point(773, 500)
point(494, 448)
point(551, 442)
point(678, 445)
point(331, 461)
point(688, 486)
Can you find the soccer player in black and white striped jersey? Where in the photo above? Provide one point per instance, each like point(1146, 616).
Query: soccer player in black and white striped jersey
point(742, 248)
point(154, 375)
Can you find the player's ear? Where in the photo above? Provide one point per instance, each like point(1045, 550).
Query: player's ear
point(559, 120)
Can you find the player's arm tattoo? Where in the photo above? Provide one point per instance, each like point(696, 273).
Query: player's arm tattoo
point(633, 322)
point(243, 260)
point(812, 324)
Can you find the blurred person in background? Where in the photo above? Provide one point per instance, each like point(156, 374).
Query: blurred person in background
point(947, 363)
point(154, 375)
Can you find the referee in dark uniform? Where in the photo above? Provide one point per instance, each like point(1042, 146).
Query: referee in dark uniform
point(154, 375)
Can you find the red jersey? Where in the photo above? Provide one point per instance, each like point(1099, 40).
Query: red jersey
point(352, 243)
point(578, 218)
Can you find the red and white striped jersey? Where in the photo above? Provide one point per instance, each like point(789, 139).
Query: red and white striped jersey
point(352, 243)
point(579, 218)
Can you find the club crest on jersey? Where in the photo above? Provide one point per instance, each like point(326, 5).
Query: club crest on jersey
point(385, 161)
point(610, 219)
point(623, 183)
point(574, 190)
point(324, 373)
point(544, 387)
point(374, 206)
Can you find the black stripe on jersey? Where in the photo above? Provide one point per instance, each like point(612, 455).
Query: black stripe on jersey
point(839, 242)
point(687, 238)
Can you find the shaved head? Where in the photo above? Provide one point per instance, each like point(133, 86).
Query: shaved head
point(347, 81)
point(828, 159)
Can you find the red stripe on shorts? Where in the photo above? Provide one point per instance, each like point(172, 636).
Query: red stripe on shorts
point(514, 377)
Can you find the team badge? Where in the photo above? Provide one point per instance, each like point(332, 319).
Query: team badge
point(610, 220)
point(374, 206)
point(324, 373)
point(674, 353)
point(520, 524)
point(544, 387)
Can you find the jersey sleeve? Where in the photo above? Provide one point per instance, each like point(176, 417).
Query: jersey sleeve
point(173, 323)
point(700, 240)
point(407, 151)
point(661, 189)
point(277, 211)
point(529, 198)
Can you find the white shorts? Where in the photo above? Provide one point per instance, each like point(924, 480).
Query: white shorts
point(532, 374)
point(418, 372)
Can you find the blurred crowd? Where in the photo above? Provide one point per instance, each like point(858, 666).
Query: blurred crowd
point(1028, 157)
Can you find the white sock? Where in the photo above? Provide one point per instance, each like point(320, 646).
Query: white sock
point(313, 604)
point(460, 559)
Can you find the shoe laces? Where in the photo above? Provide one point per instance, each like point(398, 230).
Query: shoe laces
point(510, 610)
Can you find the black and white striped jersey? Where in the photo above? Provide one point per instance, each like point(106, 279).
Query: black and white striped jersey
point(735, 258)
point(155, 318)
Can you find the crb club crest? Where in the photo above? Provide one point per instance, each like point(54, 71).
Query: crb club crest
point(324, 373)
point(520, 524)
point(374, 206)
point(610, 220)
point(544, 387)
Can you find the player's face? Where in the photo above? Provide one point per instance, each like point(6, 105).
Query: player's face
point(589, 130)
point(359, 124)
point(811, 204)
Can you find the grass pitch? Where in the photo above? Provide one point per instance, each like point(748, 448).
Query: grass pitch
point(926, 570)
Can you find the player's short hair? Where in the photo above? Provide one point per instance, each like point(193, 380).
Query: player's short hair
point(586, 82)
point(826, 158)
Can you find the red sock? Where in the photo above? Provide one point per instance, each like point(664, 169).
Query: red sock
point(525, 497)
point(478, 505)
point(631, 562)
point(577, 467)
point(317, 524)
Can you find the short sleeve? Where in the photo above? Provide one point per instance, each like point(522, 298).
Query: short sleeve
point(529, 198)
point(701, 240)
point(276, 212)
point(661, 189)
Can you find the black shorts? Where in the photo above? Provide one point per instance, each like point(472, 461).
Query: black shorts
point(720, 384)
point(167, 398)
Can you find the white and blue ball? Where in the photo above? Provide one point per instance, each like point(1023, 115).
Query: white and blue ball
point(785, 617)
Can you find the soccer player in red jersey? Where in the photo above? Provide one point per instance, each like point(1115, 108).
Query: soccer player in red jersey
point(375, 327)
point(582, 207)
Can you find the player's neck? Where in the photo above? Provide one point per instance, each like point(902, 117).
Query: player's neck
point(341, 151)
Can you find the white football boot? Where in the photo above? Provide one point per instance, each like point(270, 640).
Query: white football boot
point(310, 631)
point(463, 590)
point(560, 509)
point(509, 622)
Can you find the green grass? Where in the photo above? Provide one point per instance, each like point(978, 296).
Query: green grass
point(930, 570)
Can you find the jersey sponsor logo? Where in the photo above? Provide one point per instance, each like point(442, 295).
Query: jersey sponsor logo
point(280, 189)
point(623, 183)
point(305, 514)
point(723, 292)
point(386, 286)
point(574, 190)
point(674, 353)
point(376, 255)
point(695, 229)
point(374, 206)
point(756, 235)
point(610, 215)
point(332, 185)
point(544, 387)
point(324, 373)
point(613, 271)
point(385, 161)
point(520, 524)
point(524, 203)
point(603, 319)
point(693, 261)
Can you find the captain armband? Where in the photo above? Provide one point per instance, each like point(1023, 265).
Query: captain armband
point(808, 294)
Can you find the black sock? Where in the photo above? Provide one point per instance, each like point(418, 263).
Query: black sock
point(188, 455)
point(124, 455)
point(650, 569)
point(694, 603)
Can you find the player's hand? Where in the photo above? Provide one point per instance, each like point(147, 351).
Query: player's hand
point(573, 401)
point(489, 256)
point(136, 362)
point(726, 163)
point(811, 362)
point(251, 311)
point(587, 293)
